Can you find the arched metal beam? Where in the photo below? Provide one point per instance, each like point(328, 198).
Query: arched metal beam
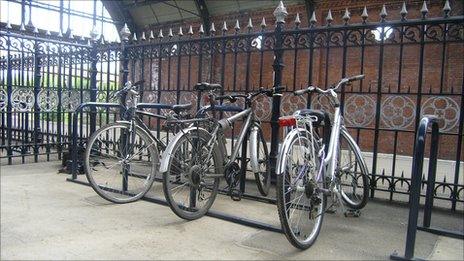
point(204, 14)
point(120, 14)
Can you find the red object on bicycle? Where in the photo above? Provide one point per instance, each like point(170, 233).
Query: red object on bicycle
point(286, 121)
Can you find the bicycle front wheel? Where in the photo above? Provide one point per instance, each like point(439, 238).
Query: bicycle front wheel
point(191, 179)
point(120, 163)
point(300, 198)
point(259, 159)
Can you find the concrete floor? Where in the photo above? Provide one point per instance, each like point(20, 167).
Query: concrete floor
point(45, 217)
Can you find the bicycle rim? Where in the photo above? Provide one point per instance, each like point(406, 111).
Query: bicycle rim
point(300, 201)
point(187, 187)
point(121, 165)
point(352, 173)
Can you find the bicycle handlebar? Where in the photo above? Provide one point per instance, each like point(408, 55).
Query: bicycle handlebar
point(330, 90)
point(233, 97)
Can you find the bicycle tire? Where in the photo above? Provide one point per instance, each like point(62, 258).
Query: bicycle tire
point(282, 193)
point(128, 191)
point(181, 171)
point(363, 173)
point(262, 173)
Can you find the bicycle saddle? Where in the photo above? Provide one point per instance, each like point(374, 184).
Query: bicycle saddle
point(204, 86)
point(320, 115)
point(181, 107)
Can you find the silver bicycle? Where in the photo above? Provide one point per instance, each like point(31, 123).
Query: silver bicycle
point(308, 171)
point(197, 158)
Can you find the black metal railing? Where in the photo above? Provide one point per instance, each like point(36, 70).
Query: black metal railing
point(412, 68)
point(414, 197)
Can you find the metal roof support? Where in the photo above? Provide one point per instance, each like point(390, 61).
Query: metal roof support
point(119, 14)
point(204, 14)
point(310, 8)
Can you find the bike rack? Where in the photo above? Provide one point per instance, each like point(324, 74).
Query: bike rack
point(414, 196)
point(157, 200)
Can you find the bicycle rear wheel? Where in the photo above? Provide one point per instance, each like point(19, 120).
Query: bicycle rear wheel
point(352, 172)
point(191, 181)
point(120, 164)
point(300, 200)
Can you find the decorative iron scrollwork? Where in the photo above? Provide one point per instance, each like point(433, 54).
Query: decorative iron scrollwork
point(3, 99)
point(359, 110)
point(22, 99)
point(291, 103)
point(47, 100)
point(262, 107)
point(445, 108)
point(398, 112)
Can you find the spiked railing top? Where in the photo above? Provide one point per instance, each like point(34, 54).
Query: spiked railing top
point(125, 33)
point(313, 19)
point(224, 26)
point(346, 16)
point(190, 31)
point(263, 23)
point(403, 11)
point(280, 13)
point(446, 8)
point(383, 13)
point(297, 20)
point(201, 30)
point(212, 29)
point(329, 17)
point(250, 24)
point(364, 14)
point(237, 25)
point(424, 10)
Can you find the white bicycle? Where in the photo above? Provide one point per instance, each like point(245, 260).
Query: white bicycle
point(308, 171)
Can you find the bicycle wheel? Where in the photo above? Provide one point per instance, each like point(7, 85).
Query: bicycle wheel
point(352, 172)
point(259, 159)
point(300, 198)
point(191, 179)
point(121, 165)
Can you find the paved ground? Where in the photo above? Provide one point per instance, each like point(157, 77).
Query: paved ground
point(45, 217)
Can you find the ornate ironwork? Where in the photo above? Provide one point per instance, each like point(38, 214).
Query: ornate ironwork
point(445, 108)
point(398, 112)
point(22, 99)
point(47, 100)
point(3, 99)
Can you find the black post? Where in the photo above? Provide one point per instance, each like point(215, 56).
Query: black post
point(431, 175)
point(93, 87)
point(9, 107)
point(37, 78)
point(280, 13)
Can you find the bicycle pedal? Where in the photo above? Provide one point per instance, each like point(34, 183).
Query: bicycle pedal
point(352, 213)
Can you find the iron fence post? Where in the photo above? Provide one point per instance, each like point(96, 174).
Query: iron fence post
point(280, 13)
point(9, 108)
point(93, 87)
point(37, 78)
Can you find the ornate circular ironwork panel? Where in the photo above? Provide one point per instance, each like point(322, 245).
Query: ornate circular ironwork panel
point(3, 99)
point(22, 99)
point(359, 110)
point(262, 107)
point(291, 103)
point(445, 108)
point(398, 112)
point(47, 100)
point(70, 99)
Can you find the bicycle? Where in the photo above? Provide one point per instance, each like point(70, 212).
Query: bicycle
point(309, 171)
point(121, 159)
point(197, 159)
